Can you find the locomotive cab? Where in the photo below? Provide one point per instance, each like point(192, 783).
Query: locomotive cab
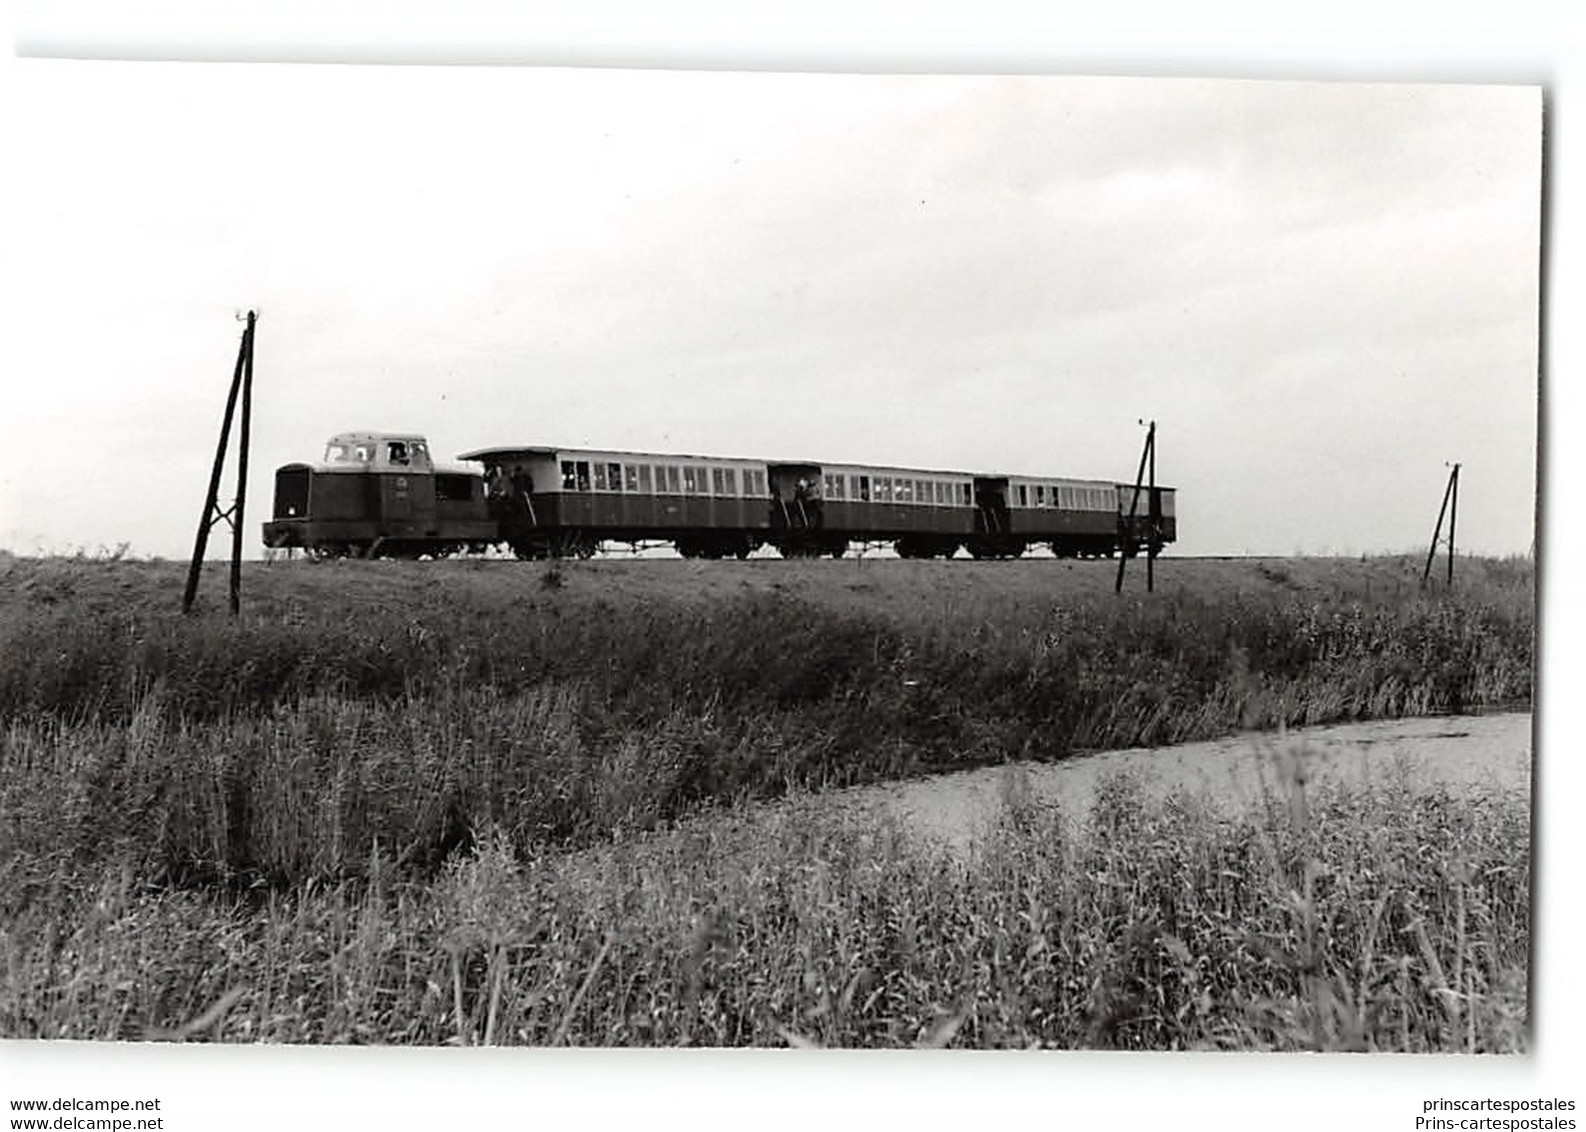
point(377, 493)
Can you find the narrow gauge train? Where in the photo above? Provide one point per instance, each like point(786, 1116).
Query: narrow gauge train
point(380, 494)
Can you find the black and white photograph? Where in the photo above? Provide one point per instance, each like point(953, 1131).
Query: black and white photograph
point(657, 558)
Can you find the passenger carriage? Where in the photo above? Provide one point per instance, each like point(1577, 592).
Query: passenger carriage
point(565, 501)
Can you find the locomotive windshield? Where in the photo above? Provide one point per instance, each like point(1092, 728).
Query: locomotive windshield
point(337, 452)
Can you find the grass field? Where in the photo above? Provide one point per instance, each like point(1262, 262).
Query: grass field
point(408, 802)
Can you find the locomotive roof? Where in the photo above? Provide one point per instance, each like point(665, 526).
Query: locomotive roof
point(365, 435)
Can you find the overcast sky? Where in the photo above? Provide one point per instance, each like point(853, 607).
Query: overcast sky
point(1321, 292)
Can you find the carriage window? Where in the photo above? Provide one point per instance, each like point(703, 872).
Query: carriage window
point(718, 482)
point(690, 480)
point(614, 476)
point(601, 482)
point(641, 475)
point(583, 475)
point(922, 491)
point(569, 479)
point(630, 477)
point(864, 489)
point(1040, 495)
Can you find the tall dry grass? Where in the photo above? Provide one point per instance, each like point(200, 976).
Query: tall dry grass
point(349, 815)
point(1374, 918)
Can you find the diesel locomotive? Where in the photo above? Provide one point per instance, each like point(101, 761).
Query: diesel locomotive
point(381, 495)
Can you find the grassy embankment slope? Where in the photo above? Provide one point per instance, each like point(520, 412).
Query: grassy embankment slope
point(347, 814)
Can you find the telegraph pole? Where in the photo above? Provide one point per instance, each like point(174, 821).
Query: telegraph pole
point(1153, 511)
point(1449, 510)
point(1126, 540)
point(241, 382)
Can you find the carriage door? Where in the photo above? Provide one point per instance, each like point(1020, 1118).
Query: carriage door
point(795, 495)
point(991, 505)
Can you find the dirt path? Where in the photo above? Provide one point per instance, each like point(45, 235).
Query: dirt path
point(1469, 751)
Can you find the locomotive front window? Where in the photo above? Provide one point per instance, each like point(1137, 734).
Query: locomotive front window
point(417, 452)
point(397, 452)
